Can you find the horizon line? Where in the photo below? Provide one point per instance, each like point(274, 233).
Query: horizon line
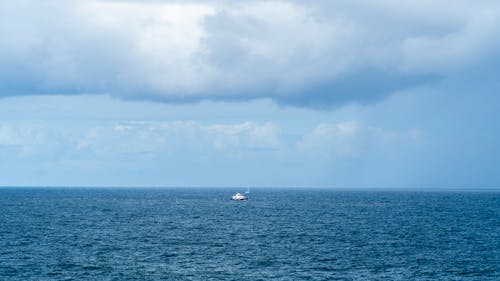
point(359, 188)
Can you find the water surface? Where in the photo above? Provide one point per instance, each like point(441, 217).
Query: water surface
point(279, 234)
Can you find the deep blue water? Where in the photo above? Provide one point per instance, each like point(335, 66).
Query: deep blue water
point(199, 234)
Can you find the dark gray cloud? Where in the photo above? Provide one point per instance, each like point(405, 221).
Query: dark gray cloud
point(361, 87)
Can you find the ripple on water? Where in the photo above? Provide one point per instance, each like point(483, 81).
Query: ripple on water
point(189, 234)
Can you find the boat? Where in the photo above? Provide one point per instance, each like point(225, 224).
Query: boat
point(238, 197)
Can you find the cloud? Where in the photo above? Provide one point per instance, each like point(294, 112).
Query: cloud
point(352, 139)
point(247, 134)
point(29, 141)
point(349, 139)
point(170, 137)
point(139, 140)
point(320, 54)
point(99, 47)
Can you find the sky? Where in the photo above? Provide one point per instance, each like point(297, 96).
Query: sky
point(341, 94)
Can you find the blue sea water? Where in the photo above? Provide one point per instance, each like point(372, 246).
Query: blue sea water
point(279, 234)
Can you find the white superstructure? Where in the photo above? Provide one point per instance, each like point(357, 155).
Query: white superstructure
point(239, 196)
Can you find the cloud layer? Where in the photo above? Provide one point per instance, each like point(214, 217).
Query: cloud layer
point(316, 54)
point(349, 139)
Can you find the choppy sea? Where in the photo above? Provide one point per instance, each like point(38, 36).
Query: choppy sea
point(279, 234)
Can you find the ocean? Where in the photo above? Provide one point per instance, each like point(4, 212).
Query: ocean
point(279, 234)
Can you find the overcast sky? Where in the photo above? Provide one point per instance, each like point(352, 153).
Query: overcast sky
point(382, 93)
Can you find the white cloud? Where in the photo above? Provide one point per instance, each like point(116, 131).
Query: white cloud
point(179, 137)
point(18, 136)
point(139, 139)
point(353, 139)
point(326, 139)
point(248, 134)
point(29, 140)
point(162, 42)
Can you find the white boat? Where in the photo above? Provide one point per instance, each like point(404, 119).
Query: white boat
point(239, 196)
